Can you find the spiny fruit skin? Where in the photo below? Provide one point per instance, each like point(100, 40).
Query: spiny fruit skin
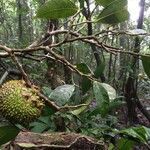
point(19, 104)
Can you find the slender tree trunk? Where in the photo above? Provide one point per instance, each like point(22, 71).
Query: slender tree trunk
point(68, 56)
point(52, 74)
point(131, 84)
point(20, 27)
point(87, 14)
point(123, 59)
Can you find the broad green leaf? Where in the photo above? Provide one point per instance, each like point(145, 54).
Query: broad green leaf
point(47, 111)
point(115, 104)
point(82, 108)
point(46, 90)
point(45, 119)
point(110, 90)
point(102, 97)
point(125, 144)
point(95, 112)
point(86, 83)
point(114, 13)
point(144, 133)
point(146, 65)
point(39, 127)
point(118, 17)
point(104, 2)
point(84, 68)
point(8, 133)
point(62, 94)
point(55, 9)
point(113, 3)
point(79, 110)
point(100, 93)
point(141, 133)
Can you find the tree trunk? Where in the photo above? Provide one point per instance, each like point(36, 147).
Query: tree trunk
point(20, 27)
point(53, 73)
point(131, 83)
point(87, 15)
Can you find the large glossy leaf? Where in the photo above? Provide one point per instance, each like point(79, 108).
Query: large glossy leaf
point(146, 65)
point(144, 133)
point(62, 94)
point(114, 18)
point(125, 144)
point(114, 13)
point(46, 90)
point(110, 90)
point(102, 97)
point(113, 3)
point(100, 93)
point(54, 9)
point(8, 133)
point(141, 133)
point(104, 2)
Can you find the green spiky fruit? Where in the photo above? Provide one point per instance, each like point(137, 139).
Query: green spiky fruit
point(18, 103)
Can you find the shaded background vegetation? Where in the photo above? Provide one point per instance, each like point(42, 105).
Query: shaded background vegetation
point(117, 65)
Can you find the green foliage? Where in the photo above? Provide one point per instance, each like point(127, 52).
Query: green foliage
point(46, 91)
point(125, 144)
point(84, 68)
point(81, 3)
point(41, 125)
point(141, 134)
point(146, 65)
point(81, 109)
point(61, 95)
point(7, 133)
point(133, 136)
point(99, 70)
point(115, 12)
point(86, 83)
point(102, 97)
point(116, 103)
point(110, 90)
point(109, 2)
point(104, 3)
point(145, 59)
point(54, 9)
point(106, 100)
point(91, 110)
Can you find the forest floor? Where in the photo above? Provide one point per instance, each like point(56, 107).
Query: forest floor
point(122, 115)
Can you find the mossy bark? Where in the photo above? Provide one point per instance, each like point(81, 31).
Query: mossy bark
point(54, 141)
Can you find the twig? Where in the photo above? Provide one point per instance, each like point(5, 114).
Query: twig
point(67, 63)
point(3, 77)
point(49, 102)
